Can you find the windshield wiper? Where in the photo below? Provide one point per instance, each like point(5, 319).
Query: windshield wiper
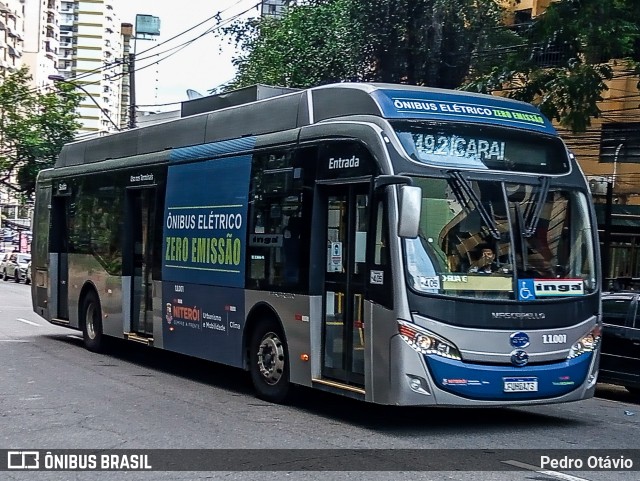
point(534, 210)
point(464, 193)
point(523, 245)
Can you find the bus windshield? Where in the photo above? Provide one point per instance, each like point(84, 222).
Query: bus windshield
point(501, 240)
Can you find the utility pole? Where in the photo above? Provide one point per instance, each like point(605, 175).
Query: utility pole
point(147, 28)
point(132, 90)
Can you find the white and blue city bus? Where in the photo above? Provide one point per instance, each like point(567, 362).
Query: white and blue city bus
point(395, 244)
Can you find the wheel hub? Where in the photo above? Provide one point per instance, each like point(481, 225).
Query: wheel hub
point(91, 331)
point(271, 358)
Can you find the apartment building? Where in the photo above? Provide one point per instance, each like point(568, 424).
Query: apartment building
point(11, 34)
point(274, 8)
point(41, 39)
point(78, 39)
point(91, 54)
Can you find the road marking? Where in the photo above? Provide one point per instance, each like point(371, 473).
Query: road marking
point(554, 474)
point(13, 340)
point(28, 322)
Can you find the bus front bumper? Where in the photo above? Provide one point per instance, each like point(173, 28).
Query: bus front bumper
point(431, 380)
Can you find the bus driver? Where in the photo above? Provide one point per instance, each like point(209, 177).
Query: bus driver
point(486, 263)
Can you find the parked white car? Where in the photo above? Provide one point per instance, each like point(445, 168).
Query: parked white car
point(15, 266)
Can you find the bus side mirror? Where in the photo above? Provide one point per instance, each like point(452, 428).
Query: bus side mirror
point(410, 206)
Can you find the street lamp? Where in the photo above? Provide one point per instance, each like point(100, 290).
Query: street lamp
point(60, 78)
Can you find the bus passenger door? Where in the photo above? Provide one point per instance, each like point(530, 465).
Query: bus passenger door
point(141, 205)
point(60, 246)
point(347, 214)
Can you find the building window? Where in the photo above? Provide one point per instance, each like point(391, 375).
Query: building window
point(522, 16)
point(620, 142)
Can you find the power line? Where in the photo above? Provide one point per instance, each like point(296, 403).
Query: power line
point(216, 16)
point(121, 61)
point(174, 50)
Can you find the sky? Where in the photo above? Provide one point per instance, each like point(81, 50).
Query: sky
point(201, 66)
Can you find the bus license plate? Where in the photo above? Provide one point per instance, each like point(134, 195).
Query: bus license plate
point(520, 384)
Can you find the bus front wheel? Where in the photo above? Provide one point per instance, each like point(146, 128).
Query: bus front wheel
point(92, 323)
point(269, 363)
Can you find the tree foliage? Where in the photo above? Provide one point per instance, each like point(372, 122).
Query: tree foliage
point(313, 44)
point(422, 42)
point(562, 60)
point(33, 128)
point(559, 61)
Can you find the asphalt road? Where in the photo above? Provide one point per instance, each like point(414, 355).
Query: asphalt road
point(54, 394)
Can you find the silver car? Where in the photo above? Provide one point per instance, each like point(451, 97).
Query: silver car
point(15, 266)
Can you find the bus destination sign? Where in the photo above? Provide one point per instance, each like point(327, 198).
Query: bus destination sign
point(446, 106)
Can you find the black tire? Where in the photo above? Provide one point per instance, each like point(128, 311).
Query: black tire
point(269, 362)
point(16, 276)
point(91, 318)
point(5, 277)
point(634, 391)
point(27, 281)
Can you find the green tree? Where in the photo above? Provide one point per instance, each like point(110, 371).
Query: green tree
point(422, 42)
point(33, 128)
point(312, 44)
point(425, 42)
point(562, 60)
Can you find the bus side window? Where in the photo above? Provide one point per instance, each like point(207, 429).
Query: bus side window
point(276, 224)
point(379, 276)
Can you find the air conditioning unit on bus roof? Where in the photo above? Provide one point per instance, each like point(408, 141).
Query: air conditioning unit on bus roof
point(598, 184)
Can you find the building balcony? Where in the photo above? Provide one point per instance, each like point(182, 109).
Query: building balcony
point(14, 52)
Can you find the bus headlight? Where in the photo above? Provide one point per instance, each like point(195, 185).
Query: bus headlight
point(426, 342)
point(587, 343)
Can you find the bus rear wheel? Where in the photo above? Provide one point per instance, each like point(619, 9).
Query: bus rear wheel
point(92, 323)
point(269, 363)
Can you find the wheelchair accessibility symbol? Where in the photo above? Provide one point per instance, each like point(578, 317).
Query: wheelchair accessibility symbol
point(526, 290)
